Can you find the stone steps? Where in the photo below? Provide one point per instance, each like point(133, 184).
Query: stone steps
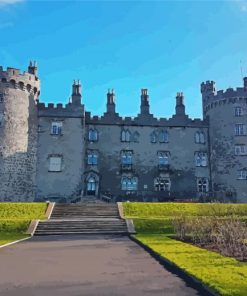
point(83, 219)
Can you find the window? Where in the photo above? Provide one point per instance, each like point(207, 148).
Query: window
point(125, 136)
point(92, 158)
point(56, 128)
point(201, 158)
point(153, 137)
point(126, 157)
point(238, 111)
point(162, 184)
point(240, 129)
point(135, 137)
point(1, 98)
point(93, 135)
point(129, 183)
point(199, 137)
point(240, 149)
point(55, 164)
point(163, 137)
point(163, 158)
point(202, 185)
point(242, 174)
point(91, 184)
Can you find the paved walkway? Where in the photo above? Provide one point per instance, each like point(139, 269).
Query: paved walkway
point(79, 265)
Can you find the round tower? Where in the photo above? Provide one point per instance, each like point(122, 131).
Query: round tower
point(18, 133)
point(227, 114)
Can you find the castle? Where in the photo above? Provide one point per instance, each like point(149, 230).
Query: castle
point(63, 153)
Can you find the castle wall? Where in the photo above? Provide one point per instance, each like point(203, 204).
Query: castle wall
point(225, 164)
point(182, 170)
point(69, 145)
point(18, 135)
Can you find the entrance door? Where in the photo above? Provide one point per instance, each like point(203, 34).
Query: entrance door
point(91, 186)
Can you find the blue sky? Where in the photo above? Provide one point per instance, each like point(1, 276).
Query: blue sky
point(127, 45)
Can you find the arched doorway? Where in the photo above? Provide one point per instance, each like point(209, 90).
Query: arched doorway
point(91, 185)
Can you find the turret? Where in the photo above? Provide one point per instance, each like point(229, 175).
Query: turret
point(144, 101)
point(32, 68)
point(110, 107)
point(76, 93)
point(208, 89)
point(180, 108)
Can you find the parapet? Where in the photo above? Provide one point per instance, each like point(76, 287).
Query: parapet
point(60, 110)
point(14, 78)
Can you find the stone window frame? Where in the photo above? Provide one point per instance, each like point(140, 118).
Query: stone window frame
point(240, 129)
point(129, 183)
point(201, 158)
point(163, 155)
point(202, 185)
point(199, 137)
point(93, 135)
point(242, 174)
point(56, 127)
point(125, 135)
point(60, 169)
point(166, 181)
point(163, 136)
point(94, 158)
point(128, 155)
point(240, 149)
point(238, 111)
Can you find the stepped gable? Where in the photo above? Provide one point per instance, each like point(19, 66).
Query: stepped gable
point(144, 118)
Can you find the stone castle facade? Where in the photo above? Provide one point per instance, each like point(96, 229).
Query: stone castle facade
point(63, 153)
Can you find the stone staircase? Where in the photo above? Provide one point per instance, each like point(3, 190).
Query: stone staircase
point(87, 218)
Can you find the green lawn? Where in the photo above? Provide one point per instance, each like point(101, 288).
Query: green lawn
point(153, 225)
point(15, 218)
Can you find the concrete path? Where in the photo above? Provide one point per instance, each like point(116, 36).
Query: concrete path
point(79, 265)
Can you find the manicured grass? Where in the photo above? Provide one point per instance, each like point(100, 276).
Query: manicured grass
point(15, 218)
point(225, 275)
point(159, 210)
point(26, 211)
point(10, 237)
point(152, 221)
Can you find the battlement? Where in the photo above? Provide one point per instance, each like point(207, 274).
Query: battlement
point(60, 110)
point(25, 81)
point(149, 121)
point(211, 98)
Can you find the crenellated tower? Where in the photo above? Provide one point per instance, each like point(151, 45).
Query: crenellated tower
point(227, 114)
point(18, 133)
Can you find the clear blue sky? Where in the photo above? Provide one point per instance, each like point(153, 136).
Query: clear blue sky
point(163, 46)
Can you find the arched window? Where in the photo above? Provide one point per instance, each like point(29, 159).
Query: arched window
point(21, 85)
point(12, 83)
point(197, 137)
point(162, 184)
point(153, 137)
point(163, 136)
point(91, 184)
point(135, 137)
point(93, 135)
point(202, 138)
point(125, 136)
point(129, 183)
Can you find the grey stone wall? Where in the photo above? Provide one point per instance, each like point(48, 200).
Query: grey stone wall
point(18, 135)
point(225, 165)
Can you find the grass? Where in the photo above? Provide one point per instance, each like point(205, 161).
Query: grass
point(152, 221)
point(159, 210)
point(225, 275)
point(15, 218)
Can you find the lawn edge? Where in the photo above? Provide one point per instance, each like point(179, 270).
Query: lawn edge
point(174, 268)
point(15, 242)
